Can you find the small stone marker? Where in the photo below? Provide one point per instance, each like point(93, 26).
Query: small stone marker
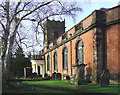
point(58, 76)
point(54, 76)
point(105, 76)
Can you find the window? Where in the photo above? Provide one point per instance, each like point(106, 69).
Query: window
point(65, 61)
point(55, 61)
point(64, 36)
point(79, 52)
point(48, 63)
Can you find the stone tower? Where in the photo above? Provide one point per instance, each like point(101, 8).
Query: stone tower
point(53, 30)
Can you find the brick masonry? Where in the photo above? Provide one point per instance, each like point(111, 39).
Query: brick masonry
point(101, 44)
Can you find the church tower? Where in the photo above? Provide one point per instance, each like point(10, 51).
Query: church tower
point(53, 30)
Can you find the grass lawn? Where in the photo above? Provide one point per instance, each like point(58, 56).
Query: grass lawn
point(32, 90)
point(89, 88)
point(29, 90)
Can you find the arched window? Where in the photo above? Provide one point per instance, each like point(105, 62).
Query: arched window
point(55, 61)
point(79, 52)
point(65, 61)
point(48, 63)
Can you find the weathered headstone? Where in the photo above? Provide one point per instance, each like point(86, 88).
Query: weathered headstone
point(27, 72)
point(58, 76)
point(34, 74)
point(81, 74)
point(72, 79)
point(40, 76)
point(54, 76)
point(63, 77)
point(105, 76)
point(67, 77)
point(45, 75)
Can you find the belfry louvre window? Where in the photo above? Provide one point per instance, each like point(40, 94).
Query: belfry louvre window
point(48, 63)
point(79, 52)
point(55, 61)
point(65, 60)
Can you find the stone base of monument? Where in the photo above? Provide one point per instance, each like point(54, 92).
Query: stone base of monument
point(80, 74)
point(82, 82)
point(105, 77)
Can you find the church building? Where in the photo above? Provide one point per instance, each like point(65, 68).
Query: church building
point(94, 41)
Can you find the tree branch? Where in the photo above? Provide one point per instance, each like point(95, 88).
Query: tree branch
point(3, 7)
point(17, 6)
point(3, 26)
point(36, 9)
point(25, 4)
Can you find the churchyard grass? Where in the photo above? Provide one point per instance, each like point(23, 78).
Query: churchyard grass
point(89, 88)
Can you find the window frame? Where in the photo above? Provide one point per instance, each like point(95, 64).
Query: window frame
point(65, 58)
point(55, 61)
point(80, 50)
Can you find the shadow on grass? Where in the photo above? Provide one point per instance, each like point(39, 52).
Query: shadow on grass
point(48, 87)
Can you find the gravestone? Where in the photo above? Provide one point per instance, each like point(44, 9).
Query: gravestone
point(72, 79)
point(64, 77)
point(39, 76)
point(104, 80)
point(81, 74)
point(67, 77)
point(45, 75)
point(27, 72)
point(58, 76)
point(34, 74)
point(54, 76)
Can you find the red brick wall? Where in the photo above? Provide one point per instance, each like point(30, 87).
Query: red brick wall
point(87, 39)
point(112, 14)
point(112, 48)
point(87, 22)
point(88, 48)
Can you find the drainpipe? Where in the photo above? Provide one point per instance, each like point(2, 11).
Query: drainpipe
point(71, 53)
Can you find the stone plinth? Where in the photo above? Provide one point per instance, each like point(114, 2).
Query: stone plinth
point(81, 74)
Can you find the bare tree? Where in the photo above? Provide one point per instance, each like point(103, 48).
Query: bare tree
point(14, 15)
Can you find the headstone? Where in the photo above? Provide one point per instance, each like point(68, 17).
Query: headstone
point(64, 77)
point(45, 75)
point(39, 76)
point(81, 74)
point(27, 72)
point(105, 76)
point(67, 77)
point(58, 76)
point(72, 79)
point(34, 74)
point(54, 76)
